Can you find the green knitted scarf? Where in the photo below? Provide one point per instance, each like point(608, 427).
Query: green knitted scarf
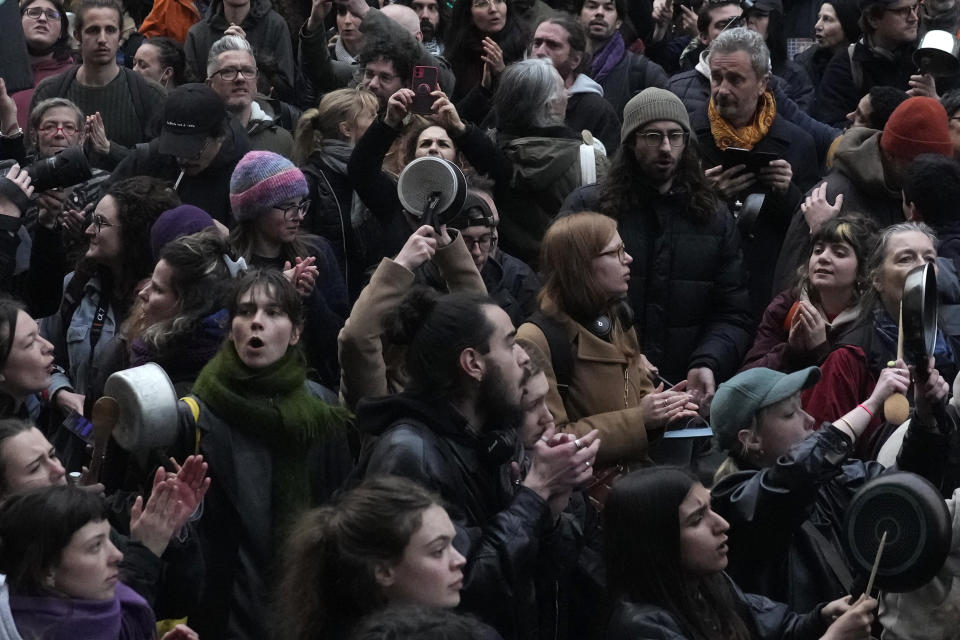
point(273, 406)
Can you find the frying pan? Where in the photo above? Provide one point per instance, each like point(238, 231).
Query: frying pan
point(916, 520)
point(432, 189)
point(918, 313)
point(937, 54)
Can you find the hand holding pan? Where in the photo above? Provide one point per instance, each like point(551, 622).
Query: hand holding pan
point(432, 190)
point(917, 333)
point(908, 516)
point(106, 411)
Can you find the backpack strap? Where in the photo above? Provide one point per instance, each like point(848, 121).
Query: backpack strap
point(561, 351)
point(72, 296)
point(856, 70)
point(136, 84)
point(191, 402)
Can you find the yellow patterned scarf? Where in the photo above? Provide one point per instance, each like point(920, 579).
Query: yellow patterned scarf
point(725, 135)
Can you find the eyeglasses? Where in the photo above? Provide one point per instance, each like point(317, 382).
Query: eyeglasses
point(294, 211)
point(100, 222)
point(36, 12)
point(620, 252)
point(654, 139)
point(51, 128)
point(732, 23)
point(483, 241)
point(485, 4)
point(904, 12)
point(230, 73)
point(385, 78)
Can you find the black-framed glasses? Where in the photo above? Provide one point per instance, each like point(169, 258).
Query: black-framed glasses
point(654, 139)
point(732, 23)
point(99, 222)
point(230, 74)
point(620, 252)
point(294, 211)
point(484, 241)
point(385, 78)
point(35, 12)
point(904, 12)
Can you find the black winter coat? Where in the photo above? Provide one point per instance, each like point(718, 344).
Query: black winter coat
point(687, 284)
point(208, 190)
point(762, 241)
point(504, 532)
point(766, 619)
point(780, 516)
point(633, 74)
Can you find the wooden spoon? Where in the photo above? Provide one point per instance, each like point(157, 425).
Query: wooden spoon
point(106, 412)
point(896, 408)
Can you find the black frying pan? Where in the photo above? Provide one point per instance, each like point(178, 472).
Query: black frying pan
point(917, 522)
point(918, 315)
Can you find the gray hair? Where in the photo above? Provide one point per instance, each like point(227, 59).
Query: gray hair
point(224, 44)
point(526, 95)
point(743, 39)
point(36, 116)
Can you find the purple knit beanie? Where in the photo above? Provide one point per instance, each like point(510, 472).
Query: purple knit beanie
point(261, 181)
point(184, 220)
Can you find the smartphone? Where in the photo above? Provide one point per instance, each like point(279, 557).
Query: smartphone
point(424, 83)
point(79, 426)
point(754, 160)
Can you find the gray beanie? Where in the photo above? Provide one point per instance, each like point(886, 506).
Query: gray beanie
point(649, 105)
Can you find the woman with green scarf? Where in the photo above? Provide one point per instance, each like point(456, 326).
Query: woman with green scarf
point(274, 447)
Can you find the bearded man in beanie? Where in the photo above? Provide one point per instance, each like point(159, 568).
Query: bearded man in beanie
point(687, 289)
point(742, 114)
point(868, 170)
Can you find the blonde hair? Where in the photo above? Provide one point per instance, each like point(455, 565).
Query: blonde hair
point(316, 125)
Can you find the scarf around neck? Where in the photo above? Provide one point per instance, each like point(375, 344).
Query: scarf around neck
point(607, 57)
point(726, 135)
point(273, 406)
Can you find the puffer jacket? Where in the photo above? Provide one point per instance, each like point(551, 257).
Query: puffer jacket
point(858, 174)
point(781, 517)
point(687, 286)
point(505, 532)
point(768, 620)
point(265, 29)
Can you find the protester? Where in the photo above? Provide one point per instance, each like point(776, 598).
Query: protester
point(26, 362)
point(665, 554)
point(779, 470)
point(256, 405)
point(162, 60)
point(799, 326)
point(46, 29)
point(394, 539)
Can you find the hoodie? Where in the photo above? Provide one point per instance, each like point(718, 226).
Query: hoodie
point(588, 109)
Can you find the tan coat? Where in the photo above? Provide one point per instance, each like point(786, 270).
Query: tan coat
point(368, 368)
point(605, 390)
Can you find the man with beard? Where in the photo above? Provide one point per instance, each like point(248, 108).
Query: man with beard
point(453, 429)
point(431, 24)
point(232, 73)
point(126, 102)
point(621, 72)
point(742, 114)
point(197, 150)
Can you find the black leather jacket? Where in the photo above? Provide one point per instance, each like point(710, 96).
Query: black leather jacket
point(773, 549)
point(504, 531)
point(767, 620)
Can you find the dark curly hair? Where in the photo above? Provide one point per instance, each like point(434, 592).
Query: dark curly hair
point(139, 201)
point(463, 48)
point(626, 191)
point(391, 46)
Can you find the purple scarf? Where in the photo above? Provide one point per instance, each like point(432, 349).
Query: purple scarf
point(126, 617)
point(607, 57)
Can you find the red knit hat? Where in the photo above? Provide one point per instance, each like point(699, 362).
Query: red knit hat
point(918, 125)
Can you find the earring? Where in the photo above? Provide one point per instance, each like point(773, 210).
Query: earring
point(50, 582)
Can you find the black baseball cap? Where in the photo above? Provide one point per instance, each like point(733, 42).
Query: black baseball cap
point(474, 213)
point(191, 114)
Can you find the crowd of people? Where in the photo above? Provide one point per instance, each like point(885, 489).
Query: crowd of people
point(671, 219)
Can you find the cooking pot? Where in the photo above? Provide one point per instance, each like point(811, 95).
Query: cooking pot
point(433, 190)
point(148, 407)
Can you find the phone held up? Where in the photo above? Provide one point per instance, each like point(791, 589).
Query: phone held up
point(424, 84)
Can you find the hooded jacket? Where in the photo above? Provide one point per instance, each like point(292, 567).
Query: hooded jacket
point(504, 530)
point(858, 174)
point(265, 29)
point(587, 109)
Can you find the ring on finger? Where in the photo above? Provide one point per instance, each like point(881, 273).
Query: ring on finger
point(586, 464)
point(579, 445)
